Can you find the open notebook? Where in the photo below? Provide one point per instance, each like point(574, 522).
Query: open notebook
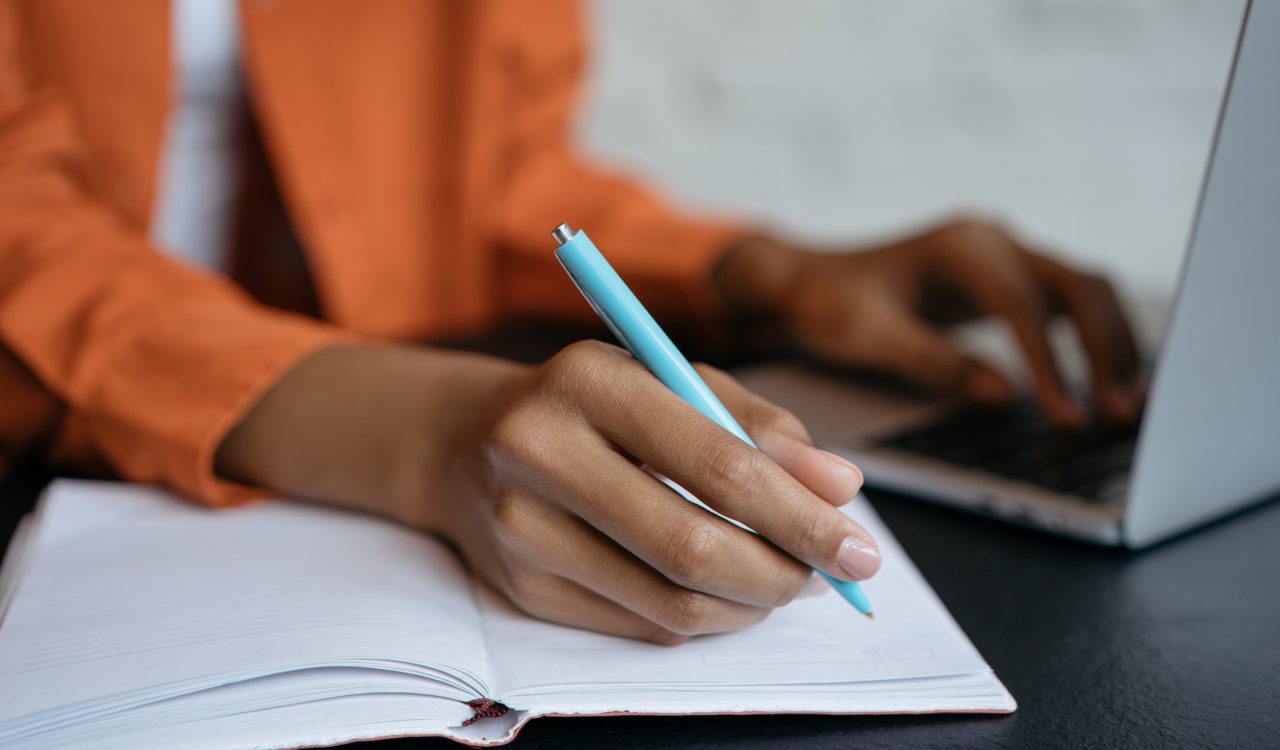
point(134, 619)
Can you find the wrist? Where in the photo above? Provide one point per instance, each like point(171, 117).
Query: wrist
point(462, 396)
point(371, 428)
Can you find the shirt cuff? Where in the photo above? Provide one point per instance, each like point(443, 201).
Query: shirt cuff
point(170, 397)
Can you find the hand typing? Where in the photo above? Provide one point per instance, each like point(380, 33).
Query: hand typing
point(886, 308)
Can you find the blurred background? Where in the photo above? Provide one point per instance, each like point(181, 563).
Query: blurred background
point(1084, 123)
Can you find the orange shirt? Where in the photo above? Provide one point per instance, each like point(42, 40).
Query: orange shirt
point(421, 147)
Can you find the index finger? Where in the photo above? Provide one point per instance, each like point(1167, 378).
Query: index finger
point(1099, 319)
point(995, 272)
point(738, 481)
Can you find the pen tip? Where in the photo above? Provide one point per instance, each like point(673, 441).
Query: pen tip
point(870, 615)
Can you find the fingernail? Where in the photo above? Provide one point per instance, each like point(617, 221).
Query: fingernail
point(845, 465)
point(859, 558)
point(815, 586)
point(986, 387)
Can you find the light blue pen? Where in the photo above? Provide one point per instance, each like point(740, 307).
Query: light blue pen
point(614, 302)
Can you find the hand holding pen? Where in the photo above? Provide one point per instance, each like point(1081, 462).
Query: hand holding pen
point(535, 475)
point(580, 534)
point(614, 302)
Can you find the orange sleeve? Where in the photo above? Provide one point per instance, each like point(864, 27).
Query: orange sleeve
point(150, 362)
point(663, 255)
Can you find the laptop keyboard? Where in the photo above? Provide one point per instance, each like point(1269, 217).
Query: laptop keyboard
point(1017, 443)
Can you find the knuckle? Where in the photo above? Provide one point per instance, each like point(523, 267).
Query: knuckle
point(1096, 286)
point(586, 376)
point(660, 636)
point(692, 553)
point(508, 517)
point(774, 417)
point(685, 612)
point(974, 237)
point(974, 226)
point(535, 607)
point(519, 589)
point(731, 464)
point(537, 595)
point(580, 364)
point(1016, 299)
point(510, 430)
point(708, 372)
point(760, 616)
point(517, 440)
point(810, 531)
point(791, 580)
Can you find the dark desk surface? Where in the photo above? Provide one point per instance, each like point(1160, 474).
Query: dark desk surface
point(1178, 646)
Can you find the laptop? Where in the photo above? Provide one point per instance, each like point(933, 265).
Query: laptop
point(1208, 441)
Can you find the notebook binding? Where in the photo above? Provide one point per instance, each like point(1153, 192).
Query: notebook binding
point(485, 708)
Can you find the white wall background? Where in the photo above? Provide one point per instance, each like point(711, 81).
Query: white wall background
point(1085, 123)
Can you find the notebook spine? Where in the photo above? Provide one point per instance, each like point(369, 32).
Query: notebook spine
point(485, 708)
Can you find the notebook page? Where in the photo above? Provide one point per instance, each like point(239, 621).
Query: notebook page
point(15, 558)
point(321, 707)
point(129, 595)
point(821, 640)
